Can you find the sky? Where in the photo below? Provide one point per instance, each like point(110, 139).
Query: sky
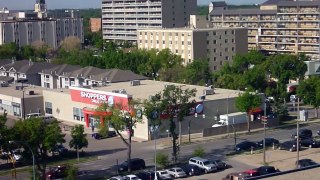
point(80, 4)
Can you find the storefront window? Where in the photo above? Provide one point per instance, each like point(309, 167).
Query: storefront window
point(48, 107)
point(78, 114)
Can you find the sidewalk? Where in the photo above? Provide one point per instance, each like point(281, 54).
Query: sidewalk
point(198, 138)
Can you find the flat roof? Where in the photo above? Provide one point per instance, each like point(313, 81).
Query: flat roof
point(191, 29)
point(11, 91)
point(150, 87)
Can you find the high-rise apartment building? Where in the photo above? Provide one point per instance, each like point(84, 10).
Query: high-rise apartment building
point(122, 18)
point(279, 26)
point(218, 45)
point(25, 28)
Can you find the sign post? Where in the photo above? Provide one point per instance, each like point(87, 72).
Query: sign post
point(264, 121)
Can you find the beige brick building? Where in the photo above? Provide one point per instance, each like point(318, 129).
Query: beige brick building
point(218, 45)
point(95, 24)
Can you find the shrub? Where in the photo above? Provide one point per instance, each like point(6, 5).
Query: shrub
point(162, 160)
point(199, 152)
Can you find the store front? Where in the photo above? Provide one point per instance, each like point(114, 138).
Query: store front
point(96, 98)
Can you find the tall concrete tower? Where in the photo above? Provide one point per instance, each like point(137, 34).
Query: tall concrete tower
point(41, 8)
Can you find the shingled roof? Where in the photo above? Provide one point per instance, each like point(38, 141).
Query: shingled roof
point(219, 3)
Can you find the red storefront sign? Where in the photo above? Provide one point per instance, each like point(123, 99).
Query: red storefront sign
point(96, 97)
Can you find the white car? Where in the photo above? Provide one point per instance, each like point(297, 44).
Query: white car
point(117, 178)
point(177, 172)
point(163, 175)
point(16, 154)
point(131, 177)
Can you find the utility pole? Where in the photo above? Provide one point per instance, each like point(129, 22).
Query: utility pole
point(298, 138)
point(264, 122)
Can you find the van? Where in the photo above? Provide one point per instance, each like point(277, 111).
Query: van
point(33, 115)
point(203, 164)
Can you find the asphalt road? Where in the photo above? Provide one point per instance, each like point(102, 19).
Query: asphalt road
point(113, 149)
point(215, 149)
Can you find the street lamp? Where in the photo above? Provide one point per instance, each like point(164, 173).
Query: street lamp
point(154, 130)
point(33, 160)
point(298, 149)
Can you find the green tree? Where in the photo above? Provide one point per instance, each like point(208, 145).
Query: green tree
point(79, 138)
point(284, 67)
point(198, 72)
point(309, 91)
point(246, 102)
point(124, 118)
point(175, 102)
point(41, 137)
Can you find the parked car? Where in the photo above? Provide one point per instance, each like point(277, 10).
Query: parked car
point(251, 172)
point(163, 175)
point(318, 132)
point(263, 170)
point(233, 176)
point(269, 142)
point(203, 164)
point(310, 143)
point(59, 149)
point(57, 172)
point(288, 145)
point(191, 169)
point(136, 164)
point(99, 136)
point(303, 134)
point(245, 146)
point(146, 175)
point(131, 177)
point(221, 165)
point(305, 163)
point(16, 155)
point(117, 178)
point(177, 172)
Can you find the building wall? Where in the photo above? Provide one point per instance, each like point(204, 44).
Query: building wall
point(120, 21)
point(289, 29)
point(33, 104)
point(219, 45)
point(51, 32)
point(95, 24)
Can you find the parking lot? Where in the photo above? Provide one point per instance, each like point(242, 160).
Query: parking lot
point(280, 159)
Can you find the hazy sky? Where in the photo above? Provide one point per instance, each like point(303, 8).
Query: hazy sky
point(60, 4)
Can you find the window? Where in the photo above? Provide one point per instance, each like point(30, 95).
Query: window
point(232, 32)
point(226, 49)
point(232, 49)
point(78, 114)
point(215, 59)
point(207, 41)
point(214, 33)
point(214, 41)
point(226, 40)
point(48, 107)
point(225, 32)
point(232, 40)
point(214, 50)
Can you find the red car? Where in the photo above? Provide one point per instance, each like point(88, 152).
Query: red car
point(252, 172)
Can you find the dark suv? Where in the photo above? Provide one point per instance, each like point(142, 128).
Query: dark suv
point(191, 170)
point(303, 134)
point(136, 164)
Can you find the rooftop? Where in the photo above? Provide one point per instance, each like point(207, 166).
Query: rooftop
point(11, 91)
point(149, 88)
